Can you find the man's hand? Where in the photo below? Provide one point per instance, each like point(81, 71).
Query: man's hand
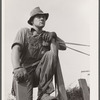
point(20, 74)
point(48, 36)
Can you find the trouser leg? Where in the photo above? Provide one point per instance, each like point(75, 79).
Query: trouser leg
point(28, 90)
point(32, 82)
point(43, 75)
point(30, 87)
point(45, 71)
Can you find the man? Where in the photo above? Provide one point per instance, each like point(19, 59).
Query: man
point(35, 56)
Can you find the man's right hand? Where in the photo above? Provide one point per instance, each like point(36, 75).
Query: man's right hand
point(20, 74)
point(48, 36)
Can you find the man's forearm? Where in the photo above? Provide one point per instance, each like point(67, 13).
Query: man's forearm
point(15, 56)
point(61, 44)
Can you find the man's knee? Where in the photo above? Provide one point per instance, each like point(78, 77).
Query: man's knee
point(52, 55)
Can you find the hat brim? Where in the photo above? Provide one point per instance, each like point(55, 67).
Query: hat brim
point(32, 17)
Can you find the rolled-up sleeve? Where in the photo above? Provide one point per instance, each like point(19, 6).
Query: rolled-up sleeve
point(19, 39)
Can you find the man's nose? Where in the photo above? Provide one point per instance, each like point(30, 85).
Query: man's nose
point(42, 18)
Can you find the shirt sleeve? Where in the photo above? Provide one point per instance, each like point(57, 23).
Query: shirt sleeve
point(61, 44)
point(19, 39)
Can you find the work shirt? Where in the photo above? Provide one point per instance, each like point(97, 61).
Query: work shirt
point(33, 47)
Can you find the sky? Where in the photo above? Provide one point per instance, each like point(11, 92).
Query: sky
point(70, 19)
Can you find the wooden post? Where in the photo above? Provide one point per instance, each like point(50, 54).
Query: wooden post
point(21, 90)
point(84, 87)
point(60, 84)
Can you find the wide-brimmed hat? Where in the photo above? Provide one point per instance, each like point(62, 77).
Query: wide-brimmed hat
point(37, 11)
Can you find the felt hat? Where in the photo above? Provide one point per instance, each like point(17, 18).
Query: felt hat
point(36, 11)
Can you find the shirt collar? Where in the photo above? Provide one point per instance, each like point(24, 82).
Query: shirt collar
point(32, 29)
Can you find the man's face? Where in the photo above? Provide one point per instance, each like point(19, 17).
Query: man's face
point(39, 21)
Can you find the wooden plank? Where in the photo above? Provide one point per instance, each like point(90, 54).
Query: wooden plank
point(21, 90)
point(60, 84)
point(84, 87)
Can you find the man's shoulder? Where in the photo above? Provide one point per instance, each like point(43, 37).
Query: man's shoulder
point(24, 30)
